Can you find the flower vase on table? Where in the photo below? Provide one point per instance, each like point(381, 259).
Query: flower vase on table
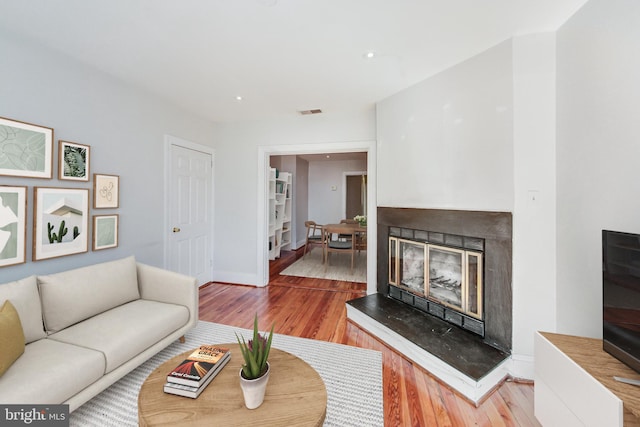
point(361, 219)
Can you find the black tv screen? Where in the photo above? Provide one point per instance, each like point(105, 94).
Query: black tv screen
point(621, 296)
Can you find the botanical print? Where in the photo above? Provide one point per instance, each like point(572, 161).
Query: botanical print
point(12, 225)
point(25, 149)
point(105, 231)
point(61, 222)
point(74, 161)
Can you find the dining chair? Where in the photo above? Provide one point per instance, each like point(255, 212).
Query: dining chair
point(314, 237)
point(346, 236)
point(332, 242)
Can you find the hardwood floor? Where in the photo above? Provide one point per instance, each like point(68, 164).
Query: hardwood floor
point(315, 308)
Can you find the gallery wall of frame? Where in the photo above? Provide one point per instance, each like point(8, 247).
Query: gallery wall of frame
point(61, 216)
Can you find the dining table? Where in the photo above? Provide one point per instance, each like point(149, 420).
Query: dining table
point(360, 230)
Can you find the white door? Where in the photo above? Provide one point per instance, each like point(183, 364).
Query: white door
point(190, 212)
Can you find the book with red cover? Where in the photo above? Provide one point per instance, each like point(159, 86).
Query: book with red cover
point(199, 365)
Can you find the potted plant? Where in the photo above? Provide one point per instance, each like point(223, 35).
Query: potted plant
point(254, 374)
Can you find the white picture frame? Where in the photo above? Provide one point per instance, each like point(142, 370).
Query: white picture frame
point(61, 222)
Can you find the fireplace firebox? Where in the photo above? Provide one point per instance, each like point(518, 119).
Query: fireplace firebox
point(441, 274)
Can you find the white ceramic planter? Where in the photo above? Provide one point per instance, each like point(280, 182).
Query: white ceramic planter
point(253, 390)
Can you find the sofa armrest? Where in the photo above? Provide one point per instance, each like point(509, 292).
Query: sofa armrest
point(162, 285)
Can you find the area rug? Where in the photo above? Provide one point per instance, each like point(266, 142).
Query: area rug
point(339, 267)
point(352, 376)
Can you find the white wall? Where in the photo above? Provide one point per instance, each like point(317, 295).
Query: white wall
point(125, 129)
point(534, 220)
point(236, 175)
point(326, 188)
point(302, 200)
point(598, 151)
point(447, 142)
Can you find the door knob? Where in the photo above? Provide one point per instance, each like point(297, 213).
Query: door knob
point(176, 230)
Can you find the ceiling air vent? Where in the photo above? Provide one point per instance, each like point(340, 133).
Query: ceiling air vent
point(314, 111)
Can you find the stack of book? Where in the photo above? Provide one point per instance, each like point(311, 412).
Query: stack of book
point(193, 375)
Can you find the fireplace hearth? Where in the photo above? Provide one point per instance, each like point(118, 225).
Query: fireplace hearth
point(444, 296)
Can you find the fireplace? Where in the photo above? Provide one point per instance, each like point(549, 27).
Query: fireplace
point(439, 273)
point(483, 239)
point(444, 294)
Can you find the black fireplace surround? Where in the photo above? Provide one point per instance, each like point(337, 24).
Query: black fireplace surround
point(493, 228)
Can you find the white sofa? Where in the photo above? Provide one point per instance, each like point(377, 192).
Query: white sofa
point(86, 328)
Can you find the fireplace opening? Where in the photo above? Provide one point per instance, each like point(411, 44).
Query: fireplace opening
point(441, 274)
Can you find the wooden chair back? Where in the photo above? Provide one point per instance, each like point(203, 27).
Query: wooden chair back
point(314, 237)
point(333, 241)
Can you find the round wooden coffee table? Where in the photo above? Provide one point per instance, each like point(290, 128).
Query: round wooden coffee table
point(295, 396)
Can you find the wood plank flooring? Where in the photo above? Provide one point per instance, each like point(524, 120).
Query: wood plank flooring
point(315, 308)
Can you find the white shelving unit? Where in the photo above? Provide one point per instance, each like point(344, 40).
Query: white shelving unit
point(279, 212)
point(272, 213)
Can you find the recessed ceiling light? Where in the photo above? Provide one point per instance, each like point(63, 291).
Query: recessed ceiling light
point(238, 98)
point(369, 54)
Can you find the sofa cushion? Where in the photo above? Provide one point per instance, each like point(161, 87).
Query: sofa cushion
point(26, 300)
point(75, 295)
point(50, 372)
point(125, 331)
point(11, 336)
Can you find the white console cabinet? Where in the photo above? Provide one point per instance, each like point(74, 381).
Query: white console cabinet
point(574, 384)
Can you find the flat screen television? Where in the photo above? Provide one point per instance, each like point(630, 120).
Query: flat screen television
point(621, 296)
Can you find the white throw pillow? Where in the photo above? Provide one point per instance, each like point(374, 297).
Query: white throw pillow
point(25, 298)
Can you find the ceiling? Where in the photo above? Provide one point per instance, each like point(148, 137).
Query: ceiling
point(280, 56)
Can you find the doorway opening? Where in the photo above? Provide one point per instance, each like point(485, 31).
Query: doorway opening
point(319, 150)
point(318, 189)
point(355, 194)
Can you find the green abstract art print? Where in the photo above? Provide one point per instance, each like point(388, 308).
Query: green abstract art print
point(25, 149)
point(105, 231)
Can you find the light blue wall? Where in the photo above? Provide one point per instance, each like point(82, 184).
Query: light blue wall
point(125, 128)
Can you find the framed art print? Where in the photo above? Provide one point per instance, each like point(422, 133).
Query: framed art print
point(13, 229)
point(105, 231)
point(73, 161)
point(26, 150)
point(106, 191)
point(60, 222)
